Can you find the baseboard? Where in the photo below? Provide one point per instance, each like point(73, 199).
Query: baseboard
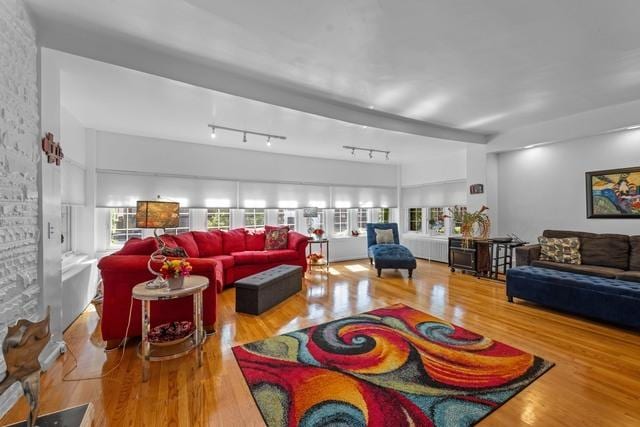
point(51, 352)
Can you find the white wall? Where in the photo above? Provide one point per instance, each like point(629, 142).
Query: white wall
point(450, 167)
point(544, 187)
point(142, 154)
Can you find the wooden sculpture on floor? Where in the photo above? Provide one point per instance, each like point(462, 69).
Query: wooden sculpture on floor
point(21, 347)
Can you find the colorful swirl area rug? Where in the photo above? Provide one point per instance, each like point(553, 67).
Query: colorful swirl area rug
point(395, 366)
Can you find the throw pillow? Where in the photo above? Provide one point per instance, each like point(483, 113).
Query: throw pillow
point(136, 246)
point(276, 239)
point(566, 251)
point(384, 237)
point(174, 252)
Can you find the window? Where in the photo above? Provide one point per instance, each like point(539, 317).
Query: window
point(218, 218)
point(383, 215)
point(458, 212)
point(340, 221)
point(183, 225)
point(66, 229)
point(415, 219)
point(254, 218)
point(436, 220)
point(362, 216)
point(123, 225)
point(287, 217)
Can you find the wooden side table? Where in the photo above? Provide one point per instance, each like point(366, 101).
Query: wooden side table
point(325, 263)
point(193, 285)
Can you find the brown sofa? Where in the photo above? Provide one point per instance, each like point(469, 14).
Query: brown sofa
point(614, 256)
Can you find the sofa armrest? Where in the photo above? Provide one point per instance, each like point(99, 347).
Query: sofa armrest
point(298, 242)
point(526, 254)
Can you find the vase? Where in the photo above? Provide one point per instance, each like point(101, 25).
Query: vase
point(176, 282)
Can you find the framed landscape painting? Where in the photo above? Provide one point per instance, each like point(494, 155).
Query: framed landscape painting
point(613, 193)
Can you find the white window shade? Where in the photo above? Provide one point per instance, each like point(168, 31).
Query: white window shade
point(72, 177)
point(285, 196)
point(443, 194)
point(363, 197)
point(122, 190)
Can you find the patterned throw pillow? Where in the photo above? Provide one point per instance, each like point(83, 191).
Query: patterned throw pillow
point(277, 238)
point(174, 252)
point(566, 251)
point(384, 237)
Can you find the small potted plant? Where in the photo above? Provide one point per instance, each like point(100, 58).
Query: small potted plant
point(174, 271)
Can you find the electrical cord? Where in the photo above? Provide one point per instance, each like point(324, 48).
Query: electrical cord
point(124, 347)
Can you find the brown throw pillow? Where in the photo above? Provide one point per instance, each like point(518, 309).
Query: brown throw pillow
point(174, 252)
point(566, 251)
point(276, 239)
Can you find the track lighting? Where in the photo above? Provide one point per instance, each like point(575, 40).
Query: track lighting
point(370, 150)
point(244, 133)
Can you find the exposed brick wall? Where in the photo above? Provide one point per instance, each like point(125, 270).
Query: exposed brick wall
point(19, 155)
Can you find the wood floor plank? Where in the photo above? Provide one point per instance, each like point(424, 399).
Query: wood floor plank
point(596, 380)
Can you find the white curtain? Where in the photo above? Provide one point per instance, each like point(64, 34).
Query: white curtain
point(287, 196)
point(363, 197)
point(443, 194)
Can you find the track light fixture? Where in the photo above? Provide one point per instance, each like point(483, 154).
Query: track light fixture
point(244, 133)
point(370, 150)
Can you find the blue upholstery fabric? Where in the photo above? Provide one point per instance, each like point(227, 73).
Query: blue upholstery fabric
point(371, 234)
point(392, 256)
point(612, 300)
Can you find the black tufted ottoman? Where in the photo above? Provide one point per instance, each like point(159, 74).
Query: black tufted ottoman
point(261, 291)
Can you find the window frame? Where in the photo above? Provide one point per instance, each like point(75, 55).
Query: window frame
point(255, 212)
point(360, 225)
point(219, 214)
point(129, 231)
point(415, 221)
point(287, 213)
point(442, 229)
point(339, 212)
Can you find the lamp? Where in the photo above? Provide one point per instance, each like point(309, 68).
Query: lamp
point(157, 214)
point(310, 213)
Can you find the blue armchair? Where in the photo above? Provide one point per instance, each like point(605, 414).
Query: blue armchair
point(388, 255)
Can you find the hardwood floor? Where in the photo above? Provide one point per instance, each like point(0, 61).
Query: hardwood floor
point(596, 380)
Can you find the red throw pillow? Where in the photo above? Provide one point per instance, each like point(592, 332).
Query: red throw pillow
point(135, 246)
point(233, 241)
point(168, 240)
point(254, 240)
point(209, 242)
point(276, 239)
point(188, 243)
point(268, 228)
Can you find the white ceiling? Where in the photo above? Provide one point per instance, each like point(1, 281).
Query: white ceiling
point(490, 65)
point(107, 97)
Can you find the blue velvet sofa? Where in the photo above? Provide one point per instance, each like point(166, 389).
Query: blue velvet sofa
point(388, 255)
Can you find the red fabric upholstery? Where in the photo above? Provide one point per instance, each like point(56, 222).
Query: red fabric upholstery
point(254, 240)
point(233, 241)
point(282, 255)
point(120, 273)
point(188, 243)
point(169, 241)
point(250, 257)
point(209, 242)
point(135, 246)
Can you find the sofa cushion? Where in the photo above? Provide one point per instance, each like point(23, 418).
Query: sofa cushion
point(607, 250)
point(254, 240)
point(282, 255)
point(233, 241)
point(136, 246)
point(187, 242)
point(591, 270)
point(276, 239)
point(565, 250)
point(629, 276)
point(384, 236)
point(227, 261)
point(250, 257)
point(168, 241)
point(634, 256)
point(174, 252)
point(563, 234)
point(209, 242)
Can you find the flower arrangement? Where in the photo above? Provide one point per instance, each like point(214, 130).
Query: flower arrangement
point(315, 258)
point(473, 224)
point(318, 232)
point(175, 268)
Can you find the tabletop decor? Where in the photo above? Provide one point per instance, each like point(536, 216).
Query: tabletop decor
point(613, 193)
point(318, 233)
point(473, 224)
point(174, 271)
point(171, 333)
point(388, 367)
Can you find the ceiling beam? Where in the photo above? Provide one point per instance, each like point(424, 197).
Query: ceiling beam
point(60, 33)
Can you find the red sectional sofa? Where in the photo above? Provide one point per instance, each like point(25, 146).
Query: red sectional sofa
point(221, 256)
